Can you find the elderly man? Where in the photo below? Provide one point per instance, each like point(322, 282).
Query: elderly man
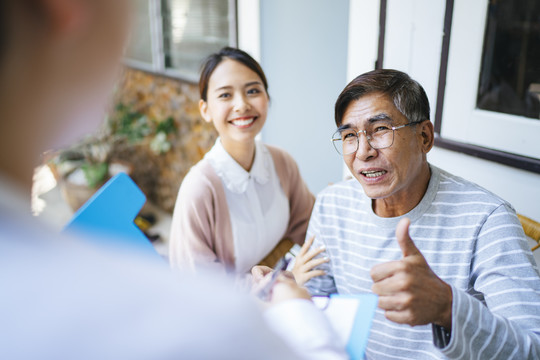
point(448, 259)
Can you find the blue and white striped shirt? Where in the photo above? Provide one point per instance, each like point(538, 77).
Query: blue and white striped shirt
point(470, 238)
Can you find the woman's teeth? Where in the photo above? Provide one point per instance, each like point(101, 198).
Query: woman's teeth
point(243, 122)
point(372, 173)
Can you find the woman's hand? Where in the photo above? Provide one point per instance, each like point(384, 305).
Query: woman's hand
point(305, 263)
point(287, 289)
point(259, 272)
point(284, 288)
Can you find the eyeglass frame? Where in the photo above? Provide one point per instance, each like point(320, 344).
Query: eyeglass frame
point(393, 128)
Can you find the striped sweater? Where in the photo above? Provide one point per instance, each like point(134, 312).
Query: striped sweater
point(471, 239)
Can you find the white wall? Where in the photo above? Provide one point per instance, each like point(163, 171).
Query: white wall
point(363, 37)
point(413, 44)
point(249, 27)
point(304, 55)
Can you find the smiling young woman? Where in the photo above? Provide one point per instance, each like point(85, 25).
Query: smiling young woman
point(243, 197)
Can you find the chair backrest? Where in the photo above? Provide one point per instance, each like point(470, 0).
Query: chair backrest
point(277, 253)
point(531, 228)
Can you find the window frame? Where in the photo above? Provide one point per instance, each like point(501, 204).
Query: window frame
point(499, 156)
point(157, 66)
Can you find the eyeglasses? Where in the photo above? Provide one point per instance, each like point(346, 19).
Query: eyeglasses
point(379, 136)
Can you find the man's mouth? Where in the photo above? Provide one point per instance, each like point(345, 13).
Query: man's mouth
point(243, 122)
point(373, 173)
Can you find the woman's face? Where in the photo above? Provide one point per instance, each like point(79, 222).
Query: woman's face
point(237, 102)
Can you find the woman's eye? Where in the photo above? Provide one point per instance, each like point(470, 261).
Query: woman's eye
point(224, 95)
point(348, 136)
point(253, 91)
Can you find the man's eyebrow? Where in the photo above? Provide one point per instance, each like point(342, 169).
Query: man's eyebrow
point(379, 117)
point(373, 119)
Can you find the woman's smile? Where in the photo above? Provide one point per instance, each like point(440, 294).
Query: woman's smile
point(237, 105)
point(243, 122)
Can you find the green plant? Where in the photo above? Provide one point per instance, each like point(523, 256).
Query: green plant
point(125, 127)
point(136, 127)
point(95, 174)
point(129, 123)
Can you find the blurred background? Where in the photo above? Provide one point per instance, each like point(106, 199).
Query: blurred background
point(477, 60)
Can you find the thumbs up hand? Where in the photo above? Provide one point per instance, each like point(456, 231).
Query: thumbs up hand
point(409, 291)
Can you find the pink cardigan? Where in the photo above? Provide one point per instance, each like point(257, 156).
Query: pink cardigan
point(201, 234)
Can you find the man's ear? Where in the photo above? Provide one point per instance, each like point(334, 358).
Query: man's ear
point(427, 135)
point(66, 16)
point(203, 108)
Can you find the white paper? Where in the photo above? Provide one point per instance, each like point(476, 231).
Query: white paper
point(341, 312)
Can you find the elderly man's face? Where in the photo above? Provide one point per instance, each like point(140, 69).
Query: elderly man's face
point(391, 173)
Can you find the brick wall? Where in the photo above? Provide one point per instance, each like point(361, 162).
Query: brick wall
point(158, 97)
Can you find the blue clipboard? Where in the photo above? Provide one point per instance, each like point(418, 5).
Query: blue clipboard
point(107, 218)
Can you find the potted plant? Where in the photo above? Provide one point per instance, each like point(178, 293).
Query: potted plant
point(128, 138)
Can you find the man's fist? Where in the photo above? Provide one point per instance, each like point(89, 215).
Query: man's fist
point(408, 290)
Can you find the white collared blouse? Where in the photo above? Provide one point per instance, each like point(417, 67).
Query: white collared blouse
point(258, 207)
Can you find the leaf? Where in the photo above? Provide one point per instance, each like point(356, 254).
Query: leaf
point(95, 173)
point(167, 126)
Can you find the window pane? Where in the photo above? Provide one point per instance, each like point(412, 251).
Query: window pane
point(510, 75)
point(192, 30)
point(140, 45)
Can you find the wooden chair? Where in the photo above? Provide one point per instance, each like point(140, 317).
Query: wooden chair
point(277, 253)
point(532, 229)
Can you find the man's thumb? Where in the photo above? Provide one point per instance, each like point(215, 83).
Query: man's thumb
point(404, 240)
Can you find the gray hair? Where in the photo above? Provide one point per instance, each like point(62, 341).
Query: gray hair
point(407, 94)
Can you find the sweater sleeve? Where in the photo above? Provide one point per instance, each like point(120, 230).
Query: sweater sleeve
point(191, 237)
point(301, 201)
point(498, 317)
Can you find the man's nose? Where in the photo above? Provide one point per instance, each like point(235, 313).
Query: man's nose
point(241, 104)
point(365, 151)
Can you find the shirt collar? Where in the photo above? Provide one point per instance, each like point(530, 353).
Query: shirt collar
point(234, 176)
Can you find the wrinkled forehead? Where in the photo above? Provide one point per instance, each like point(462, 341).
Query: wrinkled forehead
point(372, 108)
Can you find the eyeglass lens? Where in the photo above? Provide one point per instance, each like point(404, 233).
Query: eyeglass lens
point(379, 136)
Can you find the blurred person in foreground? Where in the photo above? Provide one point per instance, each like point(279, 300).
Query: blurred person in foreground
point(64, 299)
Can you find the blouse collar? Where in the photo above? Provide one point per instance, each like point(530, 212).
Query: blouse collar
point(234, 176)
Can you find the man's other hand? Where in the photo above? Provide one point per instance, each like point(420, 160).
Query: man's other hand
point(306, 262)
